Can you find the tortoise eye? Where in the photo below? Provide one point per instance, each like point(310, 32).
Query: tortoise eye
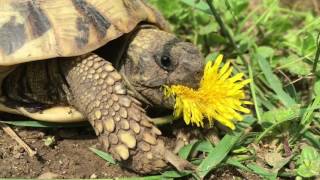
point(165, 62)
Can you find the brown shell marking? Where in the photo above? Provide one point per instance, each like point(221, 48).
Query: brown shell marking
point(100, 23)
point(41, 29)
point(12, 36)
point(83, 27)
point(37, 19)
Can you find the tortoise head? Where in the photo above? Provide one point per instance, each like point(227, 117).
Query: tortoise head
point(156, 58)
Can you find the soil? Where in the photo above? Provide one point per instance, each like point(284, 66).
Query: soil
point(302, 5)
point(68, 157)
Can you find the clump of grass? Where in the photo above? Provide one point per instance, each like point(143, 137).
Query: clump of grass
point(278, 48)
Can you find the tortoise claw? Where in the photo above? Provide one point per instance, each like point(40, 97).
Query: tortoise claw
point(179, 163)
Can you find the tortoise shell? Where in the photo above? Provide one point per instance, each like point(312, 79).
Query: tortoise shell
point(40, 29)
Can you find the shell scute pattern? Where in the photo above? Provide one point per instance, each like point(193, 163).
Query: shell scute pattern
point(100, 23)
point(41, 29)
point(12, 36)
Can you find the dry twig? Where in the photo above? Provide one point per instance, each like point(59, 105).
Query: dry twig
point(7, 129)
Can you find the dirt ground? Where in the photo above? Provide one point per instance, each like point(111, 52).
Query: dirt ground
point(70, 157)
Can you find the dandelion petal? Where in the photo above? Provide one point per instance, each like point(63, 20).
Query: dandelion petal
point(219, 97)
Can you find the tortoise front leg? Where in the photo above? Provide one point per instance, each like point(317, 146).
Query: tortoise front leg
point(123, 127)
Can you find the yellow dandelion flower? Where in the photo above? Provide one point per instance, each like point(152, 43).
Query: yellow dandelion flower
point(219, 97)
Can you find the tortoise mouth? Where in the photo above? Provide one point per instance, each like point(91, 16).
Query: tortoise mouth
point(155, 96)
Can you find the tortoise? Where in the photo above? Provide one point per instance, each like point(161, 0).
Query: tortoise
point(75, 60)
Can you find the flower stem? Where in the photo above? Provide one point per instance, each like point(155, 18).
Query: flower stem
point(225, 31)
point(160, 121)
point(316, 58)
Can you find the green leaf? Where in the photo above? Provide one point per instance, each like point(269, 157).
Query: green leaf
point(277, 117)
point(216, 156)
point(174, 174)
point(200, 5)
point(212, 56)
point(281, 114)
point(309, 162)
point(215, 39)
point(295, 65)
point(306, 119)
point(265, 173)
point(103, 155)
point(274, 82)
point(236, 6)
point(317, 87)
point(208, 29)
point(43, 124)
point(167, 7)
point(203, 146)
point(234, 162)
point(312, 138)
point(265, 51)
point(186, 150)
point(49, 141)
point(308, 43)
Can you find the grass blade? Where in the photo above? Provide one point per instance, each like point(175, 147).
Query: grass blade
point(202, 6)
point(316, 58)
point(174, 174)
point(43, 124)
point(238, 164)
point(103, 155)
point(254, 94)
point(186, 150)
point(216, 156)
point(204, 146)
point(306, 119)
point(274, 82)
point(312, 138)
point(266, 174)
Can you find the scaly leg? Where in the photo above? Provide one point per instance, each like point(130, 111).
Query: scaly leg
point(123, 128)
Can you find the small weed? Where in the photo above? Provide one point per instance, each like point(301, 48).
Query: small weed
point(50, 141)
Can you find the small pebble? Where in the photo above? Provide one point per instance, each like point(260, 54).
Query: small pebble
point(48, 175)
point(93, 176)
